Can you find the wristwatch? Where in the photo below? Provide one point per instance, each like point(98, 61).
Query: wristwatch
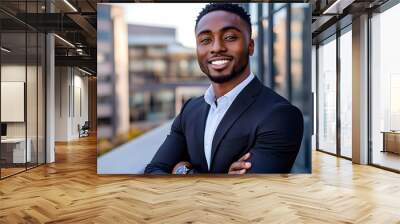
point(183, 170)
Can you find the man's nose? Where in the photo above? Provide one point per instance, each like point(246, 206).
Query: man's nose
point(218, 46)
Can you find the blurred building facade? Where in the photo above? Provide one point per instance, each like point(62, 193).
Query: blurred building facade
point(281, 60)
point(162, 74)
point(113, 79)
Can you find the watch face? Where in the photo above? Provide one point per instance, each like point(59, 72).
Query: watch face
point(182, 170)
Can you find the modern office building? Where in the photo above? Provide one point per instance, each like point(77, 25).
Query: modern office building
point(162, 74)
point(347, 88)
point(282, 60)
point(113, 79)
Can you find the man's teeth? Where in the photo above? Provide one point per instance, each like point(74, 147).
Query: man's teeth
point(219, 62)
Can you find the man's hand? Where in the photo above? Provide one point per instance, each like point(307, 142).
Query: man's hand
point(181, 164)
point(240, 166)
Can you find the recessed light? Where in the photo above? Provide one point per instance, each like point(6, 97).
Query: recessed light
point(71, 6)
point(5, 50)
point(64, 40)
point(84, 71)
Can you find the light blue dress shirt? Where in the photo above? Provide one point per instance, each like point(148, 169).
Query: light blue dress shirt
point(217, 111)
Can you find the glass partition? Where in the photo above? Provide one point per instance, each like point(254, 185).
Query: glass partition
point(22, 88)
point(14, 152)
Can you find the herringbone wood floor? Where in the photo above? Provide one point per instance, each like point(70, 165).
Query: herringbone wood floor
point(70, 191)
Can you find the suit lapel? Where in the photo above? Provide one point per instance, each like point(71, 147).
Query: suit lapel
point(201, 124)
point(239, 105)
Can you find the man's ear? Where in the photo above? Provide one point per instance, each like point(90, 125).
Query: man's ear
point(251, 47)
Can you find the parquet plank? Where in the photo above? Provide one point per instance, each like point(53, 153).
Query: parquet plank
point(70, 191)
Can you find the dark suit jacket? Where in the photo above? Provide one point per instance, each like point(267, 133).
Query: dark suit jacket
point(258, 121)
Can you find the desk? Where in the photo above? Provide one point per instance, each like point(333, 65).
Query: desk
point(391, 141)
point(16, 147)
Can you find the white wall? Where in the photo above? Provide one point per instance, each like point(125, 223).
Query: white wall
point(71, 87)
point(80, 94)
point(61, 123)
point(12, 73)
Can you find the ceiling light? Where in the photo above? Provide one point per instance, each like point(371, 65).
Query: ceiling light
point(70, 5)
point(337, 7)
point(86, 72)
point(65, 41)
point(79, 51)
point(5, 50)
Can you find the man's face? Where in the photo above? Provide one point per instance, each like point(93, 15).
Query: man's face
point(223, 46)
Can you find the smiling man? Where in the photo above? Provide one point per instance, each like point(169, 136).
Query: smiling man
point(239, 126)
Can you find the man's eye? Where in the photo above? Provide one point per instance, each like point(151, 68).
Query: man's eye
point(230, 38)
point(205, 41)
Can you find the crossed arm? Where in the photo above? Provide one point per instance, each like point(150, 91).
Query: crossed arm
point(275, 149)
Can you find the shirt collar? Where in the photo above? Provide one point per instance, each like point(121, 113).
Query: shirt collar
point(230, 96)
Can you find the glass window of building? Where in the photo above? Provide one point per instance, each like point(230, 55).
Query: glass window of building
point(279, 57)
point(385, 89)
point(297, 45)
point(254, 15)
point(346, 94)
point(327, 96)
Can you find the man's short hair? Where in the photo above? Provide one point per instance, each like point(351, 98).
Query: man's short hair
point(228, 7)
